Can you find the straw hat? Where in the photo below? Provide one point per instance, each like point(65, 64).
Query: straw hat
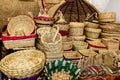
point(9, 8)
point(22, 64)
point(21, 25)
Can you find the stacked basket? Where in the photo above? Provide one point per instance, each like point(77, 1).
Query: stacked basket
point(20, 32)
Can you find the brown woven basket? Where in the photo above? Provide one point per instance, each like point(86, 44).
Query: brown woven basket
point(77, 10)
point(23, 64)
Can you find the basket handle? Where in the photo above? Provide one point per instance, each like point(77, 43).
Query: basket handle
point(54, 37)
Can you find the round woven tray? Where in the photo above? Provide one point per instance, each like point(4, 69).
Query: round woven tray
point(22, 64)
point(21, 25)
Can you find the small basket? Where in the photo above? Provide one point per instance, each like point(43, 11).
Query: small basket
point(63, 26)
point(79, 45)
point(59, 66)
point(112, 44)
point(78, 38)
point(67, 44)
point(11, 42)
point(23, 64)
point(76, 29)
point(21, 25)
point(52, 42)
point(109, 35)
point(92, 25)
point(107, 17)
point(92, 33)
point(72, 56)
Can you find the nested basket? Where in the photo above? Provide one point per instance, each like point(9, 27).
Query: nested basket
point(109, 35)
point(78, 38)
point(21, 25)
point(52, 42)
point(11, 42)
point(92, 33)
point(76, 29)
point(107, 17)
point(91, 25)
point(67, 44)
point(112, 44)
point(23, 64)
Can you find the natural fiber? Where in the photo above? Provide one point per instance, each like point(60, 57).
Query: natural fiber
point(23, 64)
point(21, 25)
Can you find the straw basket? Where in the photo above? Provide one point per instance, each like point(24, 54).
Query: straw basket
point(78, 38)
point(107, 17)
point(108, 35)
point(21, 25)
point(79, 45)
point(67, 44)
point(72, 56)
point(52, 42)
point(63, 26)
point(11, 42)
point(23, 64)
point(92, 33)
point(67, 70)
point(76, 29)
point(111, 44)
point(91, 25)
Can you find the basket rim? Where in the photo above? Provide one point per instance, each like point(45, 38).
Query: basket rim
point(20, 16)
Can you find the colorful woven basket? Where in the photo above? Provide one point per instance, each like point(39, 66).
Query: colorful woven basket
point(62, 66)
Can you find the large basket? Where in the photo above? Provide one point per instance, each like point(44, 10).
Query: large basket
point(76, 29)
point(52, 42)
point(23, 64)
point(21, 25)
point(18, 41)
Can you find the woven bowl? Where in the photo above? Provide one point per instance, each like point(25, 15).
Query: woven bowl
point(92, 33)
point(79, 45)
point(21, 25)
point(22, 64)
point(107, 17)
point(59, 66)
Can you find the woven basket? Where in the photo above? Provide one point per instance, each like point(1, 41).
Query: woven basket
point(79, 45)
point(108, 35)
point(23, 64)
point(76, 29)
point(112, 45)
point(107, 17)
point(72, 56)
point(67, 44)
point(78, 38)
point(18, 41)
point(91, 25)
point(21, 25)
point(59, 66)
point(52, 42)
point(92, 33)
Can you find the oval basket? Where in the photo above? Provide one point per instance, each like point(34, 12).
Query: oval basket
point(21, 25)
point(23, 64)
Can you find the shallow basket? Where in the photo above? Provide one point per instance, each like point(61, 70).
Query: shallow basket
point(91, 25)
point(92, 33)
point(61, 65)
point(23, 64)
point(11, 42)
point(109, 35)
point(76, 29)
point(67, 44)
point(78, 38)
point(21, 25)
point(107, 17)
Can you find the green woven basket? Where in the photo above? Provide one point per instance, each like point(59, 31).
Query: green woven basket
point(59, 65)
